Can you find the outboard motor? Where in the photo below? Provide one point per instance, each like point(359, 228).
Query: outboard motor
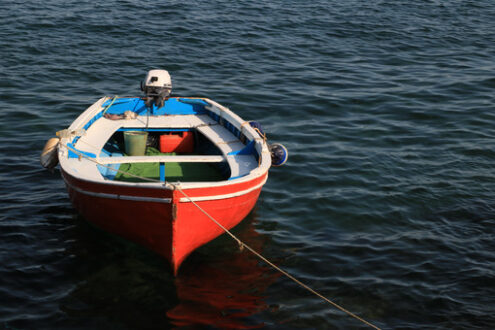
point(157, 86)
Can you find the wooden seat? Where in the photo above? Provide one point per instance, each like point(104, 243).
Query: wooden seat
point(162, 159)
point(240, 165)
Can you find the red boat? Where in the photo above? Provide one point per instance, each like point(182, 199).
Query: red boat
point(157, 170)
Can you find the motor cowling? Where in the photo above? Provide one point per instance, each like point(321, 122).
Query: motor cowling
point(157, 86)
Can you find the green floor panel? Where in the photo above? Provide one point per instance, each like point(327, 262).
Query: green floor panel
point(184, 172)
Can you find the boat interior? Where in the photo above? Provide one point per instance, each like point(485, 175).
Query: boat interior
point(184, 141)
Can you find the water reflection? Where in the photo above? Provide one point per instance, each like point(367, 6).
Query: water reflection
point(225, 291)
point(117, 282)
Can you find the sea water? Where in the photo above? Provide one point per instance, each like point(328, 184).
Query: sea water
point(386, 205)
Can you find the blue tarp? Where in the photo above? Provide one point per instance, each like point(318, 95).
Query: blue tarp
point(171, 107)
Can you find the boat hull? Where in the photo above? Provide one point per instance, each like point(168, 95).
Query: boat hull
point(164, 220)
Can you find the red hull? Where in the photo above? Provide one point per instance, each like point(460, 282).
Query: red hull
point(160, 219)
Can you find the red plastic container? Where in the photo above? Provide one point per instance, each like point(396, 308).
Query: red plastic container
point(182, 142)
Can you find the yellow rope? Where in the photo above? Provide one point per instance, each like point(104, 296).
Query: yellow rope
point(241, 244)
point(108, 106)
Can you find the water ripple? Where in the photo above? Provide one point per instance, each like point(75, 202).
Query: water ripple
point(386, 204)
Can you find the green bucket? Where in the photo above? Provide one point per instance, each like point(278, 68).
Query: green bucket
point(135, 142)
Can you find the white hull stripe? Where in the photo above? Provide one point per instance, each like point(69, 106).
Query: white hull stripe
point(121, 197)
point(165, 200)
point(226, 196)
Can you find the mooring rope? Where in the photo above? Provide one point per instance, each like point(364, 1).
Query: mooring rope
point(242, 245)
point(108, 106)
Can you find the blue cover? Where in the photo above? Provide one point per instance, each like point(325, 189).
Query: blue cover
point(171, 107)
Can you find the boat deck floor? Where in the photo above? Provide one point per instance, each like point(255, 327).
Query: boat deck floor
point(183, 172)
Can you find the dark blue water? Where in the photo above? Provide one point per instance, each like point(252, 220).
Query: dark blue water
point(386, 206)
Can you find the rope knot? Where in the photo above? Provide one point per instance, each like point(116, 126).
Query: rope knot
point(241, 246)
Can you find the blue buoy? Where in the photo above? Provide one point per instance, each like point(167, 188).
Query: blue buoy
point(279, 154)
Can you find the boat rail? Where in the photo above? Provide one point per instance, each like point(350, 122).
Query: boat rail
point(162, 159)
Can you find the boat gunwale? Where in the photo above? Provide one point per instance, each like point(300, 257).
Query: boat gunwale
point(222, 111)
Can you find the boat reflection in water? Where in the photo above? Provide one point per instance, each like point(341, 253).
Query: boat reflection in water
point(118, 284)
point(227, 291)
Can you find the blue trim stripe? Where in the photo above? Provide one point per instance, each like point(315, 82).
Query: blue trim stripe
point(194, 102)
point(162, 172)
point(249, 149)
point(228, 125)
point(92, 120)
point(74, 155)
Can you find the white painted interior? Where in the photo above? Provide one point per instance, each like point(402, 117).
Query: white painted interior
point(246, 167)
